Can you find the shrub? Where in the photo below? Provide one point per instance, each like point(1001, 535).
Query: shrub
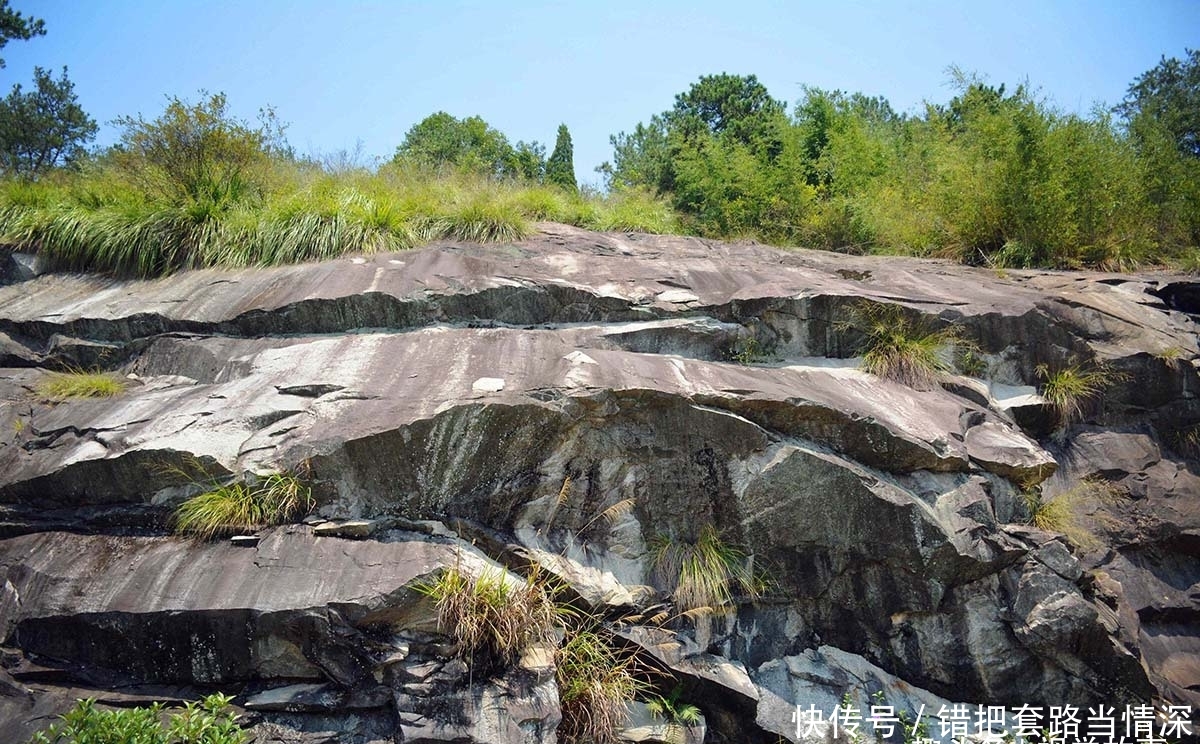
point(595, 684)
point(210, 721)
point(703, 575)
point(239, 507)
point(80, 384)
point(197, 154)
point(1068, 389)
point(492, 617)
point(898, 347)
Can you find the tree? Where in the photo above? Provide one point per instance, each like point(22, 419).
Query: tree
point(43, 128)
point(441, 140)
point(725, 105)
point(13, 25)
point(641, 158)
point(560, 168)
point(1167, 98)
point(529, 161)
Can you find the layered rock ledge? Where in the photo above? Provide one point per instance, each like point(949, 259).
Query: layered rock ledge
point(492, 403)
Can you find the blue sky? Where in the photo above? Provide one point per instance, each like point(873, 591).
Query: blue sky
point(341, 71)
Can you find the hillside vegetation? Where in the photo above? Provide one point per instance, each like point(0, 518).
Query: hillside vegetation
point(994, 176)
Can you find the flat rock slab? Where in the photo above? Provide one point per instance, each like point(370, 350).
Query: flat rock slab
point(58, 573)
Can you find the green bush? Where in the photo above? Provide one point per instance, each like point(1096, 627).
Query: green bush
point(210, 721)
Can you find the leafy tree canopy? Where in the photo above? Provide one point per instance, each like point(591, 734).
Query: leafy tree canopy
point(441, 140)
point(1168, 97)
point(725, 105)
point(13, 25)
point(43, 128)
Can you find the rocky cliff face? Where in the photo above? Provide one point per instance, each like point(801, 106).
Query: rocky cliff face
point(566, 401)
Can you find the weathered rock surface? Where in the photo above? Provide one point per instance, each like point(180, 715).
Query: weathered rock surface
point(570, 400)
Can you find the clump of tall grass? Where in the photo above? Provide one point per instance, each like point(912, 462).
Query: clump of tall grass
point(633, 210)
point(705, 575)
point(898, 347)
point(79, 384)
point(238, 507)
point(1068, 389)
point(492, 617)
point(1067, 513)
point(595, 685)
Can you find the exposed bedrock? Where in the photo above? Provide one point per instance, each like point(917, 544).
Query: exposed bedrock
point(572, 401)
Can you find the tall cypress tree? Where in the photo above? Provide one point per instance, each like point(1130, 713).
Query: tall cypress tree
point(560, 168)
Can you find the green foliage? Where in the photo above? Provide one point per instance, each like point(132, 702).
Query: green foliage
point(968, 361)
point(626, 210)
point(900, 346)
point(705, 575)
point(732, 106)
point(994, 176)
point(240, 507)
point(441, 141)
point(197, 156)
point(560, 168)
point(747, 351)
point(209, 721)
point(14, 25)
point(677, 713)
point(1070, 388)
point(1169, 97)
point(595, 684)
point(44, 128)
point(129, 215)
point(492, 617)
point(79, 384)
point(641, 159)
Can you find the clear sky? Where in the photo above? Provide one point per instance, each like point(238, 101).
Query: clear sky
point(342, 71)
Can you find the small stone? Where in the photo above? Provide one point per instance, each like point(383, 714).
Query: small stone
point(244, 541)
point(578, 357)
point(488, 385)
point(355, 529)
point(678, 296)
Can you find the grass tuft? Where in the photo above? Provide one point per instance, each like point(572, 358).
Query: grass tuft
point(80, 384)
point(595, 684)
point(1069, 389)
point(1067, 513)
point(898, 347)
point(633, 210)
point(239, 507)
point(492, 617)
point(703, 576)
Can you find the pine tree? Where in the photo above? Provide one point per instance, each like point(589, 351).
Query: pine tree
point(560, 168)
